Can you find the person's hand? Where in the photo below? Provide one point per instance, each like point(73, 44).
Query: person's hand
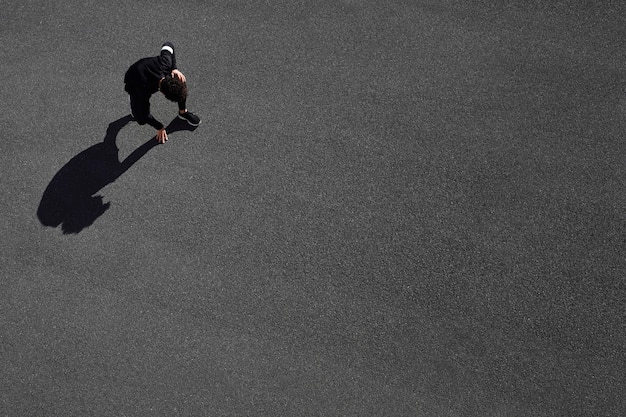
point(179, 75)
point(161, 136)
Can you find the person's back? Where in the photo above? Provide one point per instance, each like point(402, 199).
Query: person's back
point(144, 75)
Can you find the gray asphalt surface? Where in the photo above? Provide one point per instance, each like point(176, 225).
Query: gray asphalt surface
point(399, 208)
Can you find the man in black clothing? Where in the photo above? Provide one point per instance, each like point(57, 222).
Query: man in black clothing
point(149, 75)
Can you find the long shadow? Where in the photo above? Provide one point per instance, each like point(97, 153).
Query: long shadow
point(70, 200)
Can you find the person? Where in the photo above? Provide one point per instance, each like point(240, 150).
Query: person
point(159, 73)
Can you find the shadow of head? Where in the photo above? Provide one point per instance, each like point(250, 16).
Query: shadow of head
point(69, 199)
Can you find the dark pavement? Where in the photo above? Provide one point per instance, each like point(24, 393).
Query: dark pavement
point(400, 208)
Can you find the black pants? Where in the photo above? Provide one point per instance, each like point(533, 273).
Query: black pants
point(140, 109)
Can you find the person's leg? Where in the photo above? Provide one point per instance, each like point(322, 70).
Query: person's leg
point(138, 109)
point(188, 116)
point(182, 106)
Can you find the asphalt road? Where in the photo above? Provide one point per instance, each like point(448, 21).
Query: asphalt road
point(398, 208)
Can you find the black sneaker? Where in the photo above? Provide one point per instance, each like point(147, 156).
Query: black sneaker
point(190, 118)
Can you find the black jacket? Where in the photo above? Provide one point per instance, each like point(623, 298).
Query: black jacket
point(142, 80)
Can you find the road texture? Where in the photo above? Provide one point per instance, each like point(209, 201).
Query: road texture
point(391, 208)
